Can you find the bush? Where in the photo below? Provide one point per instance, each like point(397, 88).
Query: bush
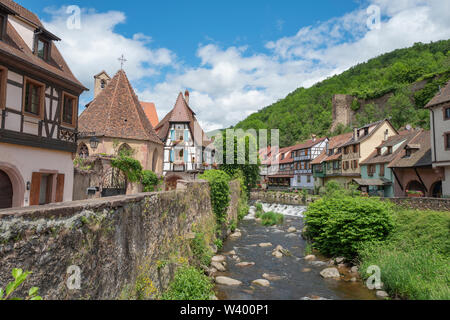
point(132, 168)
point(189, 284)
point(202, 253)
point(149, 180)
point(339, 225)
point(220, 192)
point(272, 218)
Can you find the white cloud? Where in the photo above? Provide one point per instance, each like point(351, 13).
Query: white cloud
point(229, 84)
point(97, 46)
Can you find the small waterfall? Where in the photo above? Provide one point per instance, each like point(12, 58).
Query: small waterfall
point(287, 210)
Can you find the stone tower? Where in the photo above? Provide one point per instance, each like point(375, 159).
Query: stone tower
point(100, 82)
point(342, 110)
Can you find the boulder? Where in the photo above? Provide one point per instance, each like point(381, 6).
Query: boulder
point(265, 245)
point(306, 270)
point(218, 266)
point(219, 259)
point(226, 281)
point(354, 269)
point(271, 277)
point(236, 235)
point(277, 254)
point(339, 260)
point(292, 230)
point(310, 257)
point(231, 253)
point(261, 282)
point(353, 279)
point(318, 263)
point(245, 264)
point(382, 294)
point(330, 273)
point(291, 235)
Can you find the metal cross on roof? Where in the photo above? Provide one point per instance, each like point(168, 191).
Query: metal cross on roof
point(122, 61)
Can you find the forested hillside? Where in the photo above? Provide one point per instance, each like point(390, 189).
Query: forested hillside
point(307, 111)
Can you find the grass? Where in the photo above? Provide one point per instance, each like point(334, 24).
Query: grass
point(414, 260)
point(271, 219)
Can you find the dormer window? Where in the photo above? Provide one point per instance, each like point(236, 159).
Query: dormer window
point(43, 49)
point(389, 150)
point(366, 131)
point(379, 151)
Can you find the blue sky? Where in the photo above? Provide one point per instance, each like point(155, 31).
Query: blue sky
point(234, 56)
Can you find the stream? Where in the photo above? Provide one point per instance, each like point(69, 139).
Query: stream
point(297, 279)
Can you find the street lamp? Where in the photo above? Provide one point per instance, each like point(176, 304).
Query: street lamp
point(94, 143)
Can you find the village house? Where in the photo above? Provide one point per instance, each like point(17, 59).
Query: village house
point(303, 155)
point(265, 158)
point(281, 170)
point(413, 170)
point(38, 112)
point(187, 149)
point(328, 165)
point(363, 142)
point(377, 178)
point(115, 122)
point(439, 108)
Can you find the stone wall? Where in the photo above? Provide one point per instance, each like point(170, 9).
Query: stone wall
point(422, 203)
point(279, 197)
point(117, 242)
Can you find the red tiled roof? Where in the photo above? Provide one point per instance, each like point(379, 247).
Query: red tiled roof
point(419, 158)
point(333, 143)
point(181, 112)
point(308, 144)
point(150, 112)
point(13, 45)
point(117, 113)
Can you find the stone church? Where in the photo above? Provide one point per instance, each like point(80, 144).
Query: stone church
point(116, 120)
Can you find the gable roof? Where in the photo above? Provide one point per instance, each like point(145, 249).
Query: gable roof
point(150, 112)
point(287, 155)
point(181, 112)
point(419, 158)
point(15, 47)
point(333, 143)
point(117, 113)
point(403, 139)
point(441, 97)
point(375, 126)
point(308, 144)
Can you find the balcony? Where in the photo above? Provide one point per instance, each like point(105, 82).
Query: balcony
point(303, 171)
point(303, 158)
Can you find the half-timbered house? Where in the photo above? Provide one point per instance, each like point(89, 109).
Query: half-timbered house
point(188, 151)
point(38, 112)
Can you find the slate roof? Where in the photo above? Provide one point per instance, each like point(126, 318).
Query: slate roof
point(403, 138)
point(419, 158)
point(14, 46)
point(440, 97)
point(117, 113)
point(334, 142)
point(150, 112)
point(182, 113)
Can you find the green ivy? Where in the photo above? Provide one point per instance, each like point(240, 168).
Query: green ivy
point(132, 168)
point(149, 180)
point(220, 192)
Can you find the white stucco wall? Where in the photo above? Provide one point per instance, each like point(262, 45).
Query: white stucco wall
point(26, 31)
point(28, 160)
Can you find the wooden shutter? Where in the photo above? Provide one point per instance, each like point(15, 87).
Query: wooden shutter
point(35, 189)
point(60, 188)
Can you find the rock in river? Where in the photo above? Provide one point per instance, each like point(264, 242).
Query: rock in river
point(245, 264)
point(218, 266)
point(265, 245)
point(311, 257)
point(271, 277)
point(228, 281)
point(219, 259)
point(235, 235)
point(261, 282)
point(292, 230)
point(330, 273)
point(382, 294)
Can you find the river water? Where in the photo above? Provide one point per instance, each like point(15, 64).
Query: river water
point(299, 278)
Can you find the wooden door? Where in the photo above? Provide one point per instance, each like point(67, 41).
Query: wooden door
point(6, 191)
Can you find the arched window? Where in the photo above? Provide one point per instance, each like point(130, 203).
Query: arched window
point(125, 150)
point(83, 151)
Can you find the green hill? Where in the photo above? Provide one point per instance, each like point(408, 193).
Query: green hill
point(309, 111)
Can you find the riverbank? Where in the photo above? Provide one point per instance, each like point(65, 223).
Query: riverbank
point(270, 263)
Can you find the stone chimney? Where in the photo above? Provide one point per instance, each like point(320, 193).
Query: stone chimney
point(355, 133)
point(186, 96)
point(313, 137)
point(101, 80)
